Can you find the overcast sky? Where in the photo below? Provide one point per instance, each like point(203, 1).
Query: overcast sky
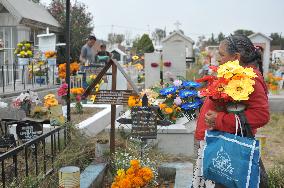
point(197, 17)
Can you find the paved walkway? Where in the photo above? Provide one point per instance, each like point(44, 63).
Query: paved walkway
point(10, 90)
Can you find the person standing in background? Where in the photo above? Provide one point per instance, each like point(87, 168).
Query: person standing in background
point(87, 56)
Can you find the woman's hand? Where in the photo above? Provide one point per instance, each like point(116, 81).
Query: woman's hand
point(210, 118)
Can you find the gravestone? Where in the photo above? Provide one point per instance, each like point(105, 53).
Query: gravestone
point(144, 122)
point(28, 130)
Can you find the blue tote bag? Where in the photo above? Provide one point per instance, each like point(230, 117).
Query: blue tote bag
point(231, 160)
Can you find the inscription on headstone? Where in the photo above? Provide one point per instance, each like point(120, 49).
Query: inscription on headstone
point(117, 97)
point(144, 122)
point(28, 130)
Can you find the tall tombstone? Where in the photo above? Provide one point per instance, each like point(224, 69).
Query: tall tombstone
point(47, 42)
point(152, 73)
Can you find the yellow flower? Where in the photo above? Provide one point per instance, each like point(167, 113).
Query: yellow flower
point(22, 53)
point(27, 45)
point(134, 58)
point(249, 72)
point(93, 98)
point(228, 69)
point(20, 45)
point(240, 89)
point(93, 76)
point(49, 96)
point(121, 173)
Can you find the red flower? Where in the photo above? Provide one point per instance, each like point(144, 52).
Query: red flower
point(215, 90)
point(167, 64)
point(208, 79)
point(213, 68)
point(154, 64)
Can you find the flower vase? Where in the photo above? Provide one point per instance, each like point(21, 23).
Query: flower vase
point(51, 61)
point(23, 61)
point(27, 108)
point(235, 107)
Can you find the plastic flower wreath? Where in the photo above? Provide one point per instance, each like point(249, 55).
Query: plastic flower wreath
point(179, 99)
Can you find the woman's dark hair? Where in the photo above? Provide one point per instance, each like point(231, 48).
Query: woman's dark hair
point(248, 52)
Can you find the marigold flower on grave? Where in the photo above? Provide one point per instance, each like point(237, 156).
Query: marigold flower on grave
point(146, 173)
point(49, 96)
point(50, 102)
point(138, 182)
point(240, 89)
point(135, 164)
point(168, 110)
point(162, 106)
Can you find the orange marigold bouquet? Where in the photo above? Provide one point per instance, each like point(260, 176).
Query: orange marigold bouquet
point(50, 54)
point(272, 82)
point(74, 68)
point(135, 176)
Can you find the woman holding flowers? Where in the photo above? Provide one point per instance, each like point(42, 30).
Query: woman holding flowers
point(214, 115)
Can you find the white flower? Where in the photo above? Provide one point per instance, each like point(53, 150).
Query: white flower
point(3, 104)
point(177, 83)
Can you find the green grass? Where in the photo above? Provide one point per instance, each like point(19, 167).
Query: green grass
point(273, 156)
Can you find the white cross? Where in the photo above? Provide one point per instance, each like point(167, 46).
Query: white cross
point(177, 24)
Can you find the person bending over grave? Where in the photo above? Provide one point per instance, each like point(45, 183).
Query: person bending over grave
point(87, 56)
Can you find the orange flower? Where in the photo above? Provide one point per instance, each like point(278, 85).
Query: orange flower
point(168, 110)
point(162, 106)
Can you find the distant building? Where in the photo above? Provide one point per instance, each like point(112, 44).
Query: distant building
point(262, 40)
point(22, 20)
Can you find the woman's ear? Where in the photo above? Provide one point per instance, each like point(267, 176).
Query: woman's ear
point(238, 56)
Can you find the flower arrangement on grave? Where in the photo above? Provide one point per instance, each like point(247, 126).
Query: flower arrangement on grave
point(50, 54)
point(24, 50)
point(37, 68)
point(74, 68)
point(90, 79)
point(135, 176)
point(76, 94)
point(179, 99)
point(50, 100)
point(232, 85)
point(25, 101)
point(272, 82)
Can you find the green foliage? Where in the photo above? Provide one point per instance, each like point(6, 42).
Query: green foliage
point(277, 40)
point(80, 23)
point(243, 32)
point(276, 175)
point(144, 45)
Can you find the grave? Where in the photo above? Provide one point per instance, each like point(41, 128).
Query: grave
point(175, 139)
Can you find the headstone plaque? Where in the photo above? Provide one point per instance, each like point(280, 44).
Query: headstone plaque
point(28, 130)
point(144, 122)
point(117, 97)
point(7, 141)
